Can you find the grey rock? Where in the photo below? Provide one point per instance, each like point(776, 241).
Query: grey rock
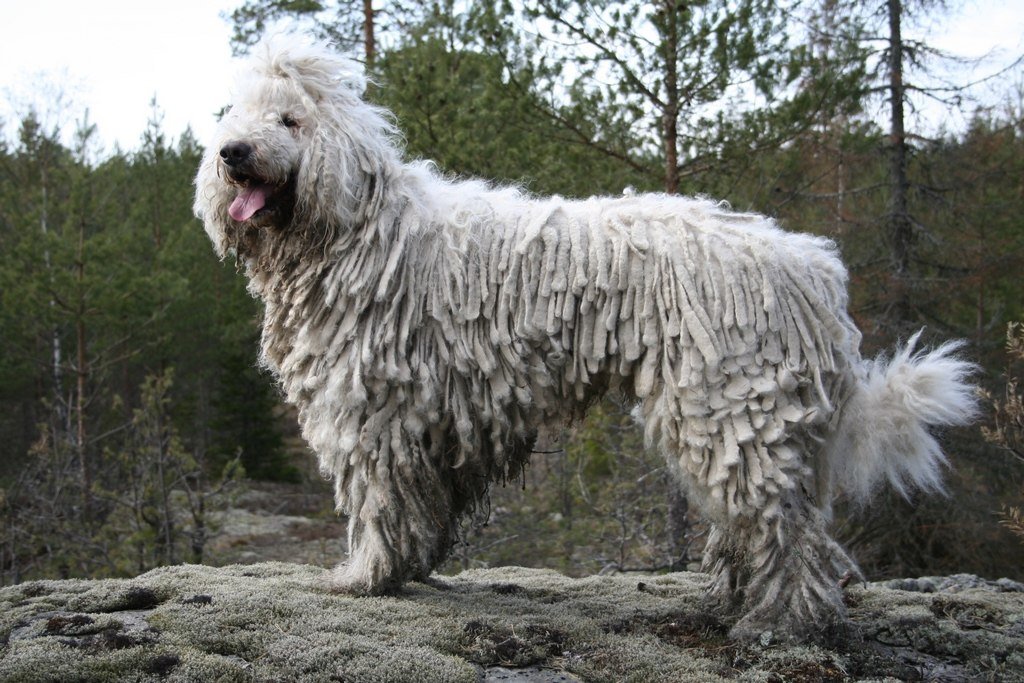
point(954, 583)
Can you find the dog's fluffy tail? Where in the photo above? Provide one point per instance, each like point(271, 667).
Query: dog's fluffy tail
point(884, 428)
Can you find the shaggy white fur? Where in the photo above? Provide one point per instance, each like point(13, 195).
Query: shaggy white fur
point(425, 328)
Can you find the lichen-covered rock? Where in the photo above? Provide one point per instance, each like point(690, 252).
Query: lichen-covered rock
point(955, 583)
point(272, 622)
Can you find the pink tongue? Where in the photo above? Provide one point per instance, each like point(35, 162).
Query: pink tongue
point(249, 201)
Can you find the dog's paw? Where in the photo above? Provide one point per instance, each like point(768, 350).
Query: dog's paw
point(835, 632)
point(345, 578)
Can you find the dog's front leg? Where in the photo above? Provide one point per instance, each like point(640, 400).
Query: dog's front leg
point(373, 566)
point(402, 521)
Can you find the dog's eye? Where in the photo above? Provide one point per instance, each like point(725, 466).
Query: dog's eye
point(288, 121)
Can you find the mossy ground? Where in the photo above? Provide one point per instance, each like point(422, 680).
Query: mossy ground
point(277, 621)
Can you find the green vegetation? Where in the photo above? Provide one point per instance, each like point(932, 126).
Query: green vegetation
point(130, 400)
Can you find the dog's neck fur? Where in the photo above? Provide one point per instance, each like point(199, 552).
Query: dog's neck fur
point(306, 279)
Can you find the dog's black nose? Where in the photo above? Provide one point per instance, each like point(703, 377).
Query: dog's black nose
point(234, 153)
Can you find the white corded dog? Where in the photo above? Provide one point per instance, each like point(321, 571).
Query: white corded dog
point(425, 328)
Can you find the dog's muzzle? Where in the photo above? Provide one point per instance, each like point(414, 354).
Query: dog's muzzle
point(259, 199)
point(238, 158)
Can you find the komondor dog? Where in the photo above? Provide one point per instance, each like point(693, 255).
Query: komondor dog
point(426, 328)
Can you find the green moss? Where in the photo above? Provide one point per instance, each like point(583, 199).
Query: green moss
point(279, 622)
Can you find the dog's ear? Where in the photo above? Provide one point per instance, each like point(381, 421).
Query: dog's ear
point(345, 168)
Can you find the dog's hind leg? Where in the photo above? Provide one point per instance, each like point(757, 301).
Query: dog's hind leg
point(749, 463)
point(780, 570)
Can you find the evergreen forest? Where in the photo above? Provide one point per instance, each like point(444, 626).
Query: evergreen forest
point(133, 413)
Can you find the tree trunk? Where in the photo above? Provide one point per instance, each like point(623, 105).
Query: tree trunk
point(56, 353)
point(678, 527)
point(369, 45)
point(900, 223)
point(167, 520)
point(677, 506)
point(670, 114)
point(198, 540)
point(82, 374)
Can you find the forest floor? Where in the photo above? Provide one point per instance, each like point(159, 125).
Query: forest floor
point(265, 614)
point(277, 621)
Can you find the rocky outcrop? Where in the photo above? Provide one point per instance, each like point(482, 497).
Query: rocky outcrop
point(277, 622)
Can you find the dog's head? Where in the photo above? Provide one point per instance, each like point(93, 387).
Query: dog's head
point(298, 155)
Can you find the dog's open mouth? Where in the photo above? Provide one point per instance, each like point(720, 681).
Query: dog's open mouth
point(252, 199)
point(257, 199)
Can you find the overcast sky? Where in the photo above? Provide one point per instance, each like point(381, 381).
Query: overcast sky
point(114, 56)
